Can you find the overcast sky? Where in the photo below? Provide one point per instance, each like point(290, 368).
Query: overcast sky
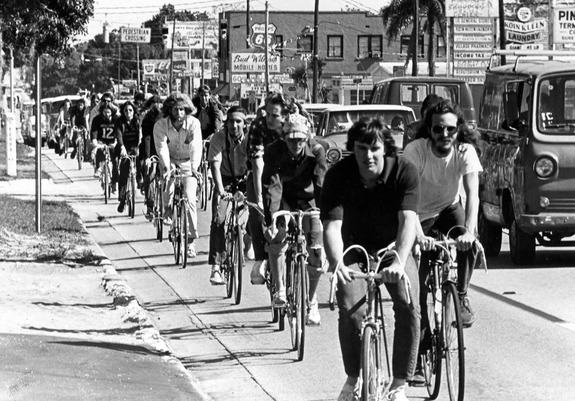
point(134, 12)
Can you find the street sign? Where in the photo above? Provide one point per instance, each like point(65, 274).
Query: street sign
point(254, 62)
point(135, 35)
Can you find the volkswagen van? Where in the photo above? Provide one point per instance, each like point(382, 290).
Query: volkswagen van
point(527, 122)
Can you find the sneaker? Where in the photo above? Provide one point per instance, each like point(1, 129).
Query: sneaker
point(397, 394)
point(313, 317)
point(349, 392)
point(149, 214)
point(121, 206)
point(167, 221)
point(257, 276)
point(192, 251)
point(249, 253)
point(280, 299)
point(418, 378)
point(216, 276)
point(467, 314)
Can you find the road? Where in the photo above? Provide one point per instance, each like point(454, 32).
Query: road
point(521, 347)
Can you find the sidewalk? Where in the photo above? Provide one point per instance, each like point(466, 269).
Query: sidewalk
point(76, 332)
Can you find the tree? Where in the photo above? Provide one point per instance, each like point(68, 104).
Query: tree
point(399, 15)
point(299, 75)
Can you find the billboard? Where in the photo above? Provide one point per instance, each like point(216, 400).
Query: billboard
point(135, 35)
point(192, 35)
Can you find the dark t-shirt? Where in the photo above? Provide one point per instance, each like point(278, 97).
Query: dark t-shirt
point(103, 130)
point(370, 216)
point(79, 117)
point(128, 133)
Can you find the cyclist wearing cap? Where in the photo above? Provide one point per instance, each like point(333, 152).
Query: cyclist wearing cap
point(178, 140)
point(207, 111)
point(102, 134)
point(292, 178)
point(228, 163)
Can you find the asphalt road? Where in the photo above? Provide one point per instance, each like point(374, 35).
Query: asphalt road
point(521, 347)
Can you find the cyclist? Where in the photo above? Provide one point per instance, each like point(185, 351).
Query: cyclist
point(294, 169)
point(78, 119)
point(107, 98)
point(370, 199)
point(102, 134)
point(178, 140)
point(207, 111)
point(228, 164)
point(139, 100)
point(413, 127)
point(148, 148)
point(63, 124)
point(128, 133)
point(264, 130)
point(445, 161)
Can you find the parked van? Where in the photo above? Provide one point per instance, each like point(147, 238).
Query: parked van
point(527, 121)
point(410, 91)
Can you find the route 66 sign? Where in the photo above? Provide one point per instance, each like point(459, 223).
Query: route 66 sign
point(257, 37)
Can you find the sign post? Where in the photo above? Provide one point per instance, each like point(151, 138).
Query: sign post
point(137, 36)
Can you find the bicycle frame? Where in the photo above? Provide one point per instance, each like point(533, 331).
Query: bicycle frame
point(179, 207)
point(131, 184)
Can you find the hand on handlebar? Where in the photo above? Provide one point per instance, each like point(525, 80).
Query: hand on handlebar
point(393, 273)
point(465, 242)
point(426, 243)
point(343, 275)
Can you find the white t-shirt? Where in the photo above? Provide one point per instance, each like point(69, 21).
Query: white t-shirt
point(440, 177)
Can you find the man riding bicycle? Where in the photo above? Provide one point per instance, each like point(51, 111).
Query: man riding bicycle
point(294, 169)
point(370, 199)
point(228, 163)
point(178, 140)
point(102, 134)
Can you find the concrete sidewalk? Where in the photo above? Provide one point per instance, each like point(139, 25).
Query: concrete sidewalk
point(76, 332)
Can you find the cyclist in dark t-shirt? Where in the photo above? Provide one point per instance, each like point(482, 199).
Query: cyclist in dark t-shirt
point(128, 133)
point(102, 134)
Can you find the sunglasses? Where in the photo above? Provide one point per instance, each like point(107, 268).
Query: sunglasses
point(438, 129)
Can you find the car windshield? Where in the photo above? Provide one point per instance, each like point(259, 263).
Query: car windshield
point(341, 121)
point(556, 105)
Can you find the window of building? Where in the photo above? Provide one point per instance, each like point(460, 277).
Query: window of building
point(369, 46)
point(305, 44)
point(335, 46)
point(404, 43)
point(359, 97)
point(279, 44)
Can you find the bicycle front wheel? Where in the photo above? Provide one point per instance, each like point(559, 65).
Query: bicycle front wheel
point(238, 264)
point(132, 198)
point(176, 233)
point(372, 371)
point(433, 356)
point(298, 307)
point(184, 233)
point(80, 153)
point(158, 210)
point(229, 273)
point(454, 347)
point(106, 182)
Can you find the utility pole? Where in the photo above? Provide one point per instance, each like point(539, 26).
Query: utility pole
point(502, 38)
point(172, 56)
point(119, 61)
point(203, 49)
point(315, 56)
point(267, 51)
point(138, 64)
point(416, 37)
point(38, 154)
point(247, 21)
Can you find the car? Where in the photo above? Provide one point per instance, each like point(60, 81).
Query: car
point(315, 109)
point(527, 124)
point(410, 91)
point(337, 120)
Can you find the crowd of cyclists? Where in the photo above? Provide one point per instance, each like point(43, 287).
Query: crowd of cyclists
point(372, 198)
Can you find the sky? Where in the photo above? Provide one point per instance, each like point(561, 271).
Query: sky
point(133, 13)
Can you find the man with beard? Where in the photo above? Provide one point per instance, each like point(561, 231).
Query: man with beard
point(228, 163)
point(207, 111)
point(445, 161)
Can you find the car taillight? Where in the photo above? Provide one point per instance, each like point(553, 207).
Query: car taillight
point(333, 155)
point(545, 167)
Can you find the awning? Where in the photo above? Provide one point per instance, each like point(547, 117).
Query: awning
point(223, 89)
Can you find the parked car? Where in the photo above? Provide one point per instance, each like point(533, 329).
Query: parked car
point(410, 91)
point(315, 109)
point(337, 120)
point(527, 121)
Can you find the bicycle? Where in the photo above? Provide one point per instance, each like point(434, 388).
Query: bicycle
point(105, 176)
point(156, 193)
point(80, 134)
point(373, 335)
point(205, 184)
point(64, 141)
point(233, 264)
point(297, 285)
point(131, 184)
point(178, 234)
point(446, 328)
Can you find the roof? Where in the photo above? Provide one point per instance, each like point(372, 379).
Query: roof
point(535, 67)
point(72, 98)
point(411, 79)
point(336, 108)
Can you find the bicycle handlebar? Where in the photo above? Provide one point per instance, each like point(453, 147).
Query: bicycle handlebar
point(293, 215)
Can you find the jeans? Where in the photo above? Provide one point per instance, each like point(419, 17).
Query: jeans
point(100, 159)
point(351, 299)
point(255, 224)
point(125, 172)
point(190, 188)
point(220, 212)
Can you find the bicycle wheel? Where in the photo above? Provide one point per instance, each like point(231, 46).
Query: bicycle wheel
point(106, 181)
point(132, 198)
point(297, 307)
point(184, 233)
point(80, 153)
point(158, 210)
point(238, 263)
point(432, 357)
point(205, 188)
point(454, 347)
point(372, 372)
point(175, 232)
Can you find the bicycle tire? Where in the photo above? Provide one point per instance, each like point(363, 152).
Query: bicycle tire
point(205, 188)
point(373, 383)
point(433, 357)
point(281, 318)
point(454, 344)
point(132, 199)
point(301, 306)
point(158, 211)
point(106, 181)
point(184, 233)
point(228, 262)
point(80, 153)
point(238, 264)
point(175, 233)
